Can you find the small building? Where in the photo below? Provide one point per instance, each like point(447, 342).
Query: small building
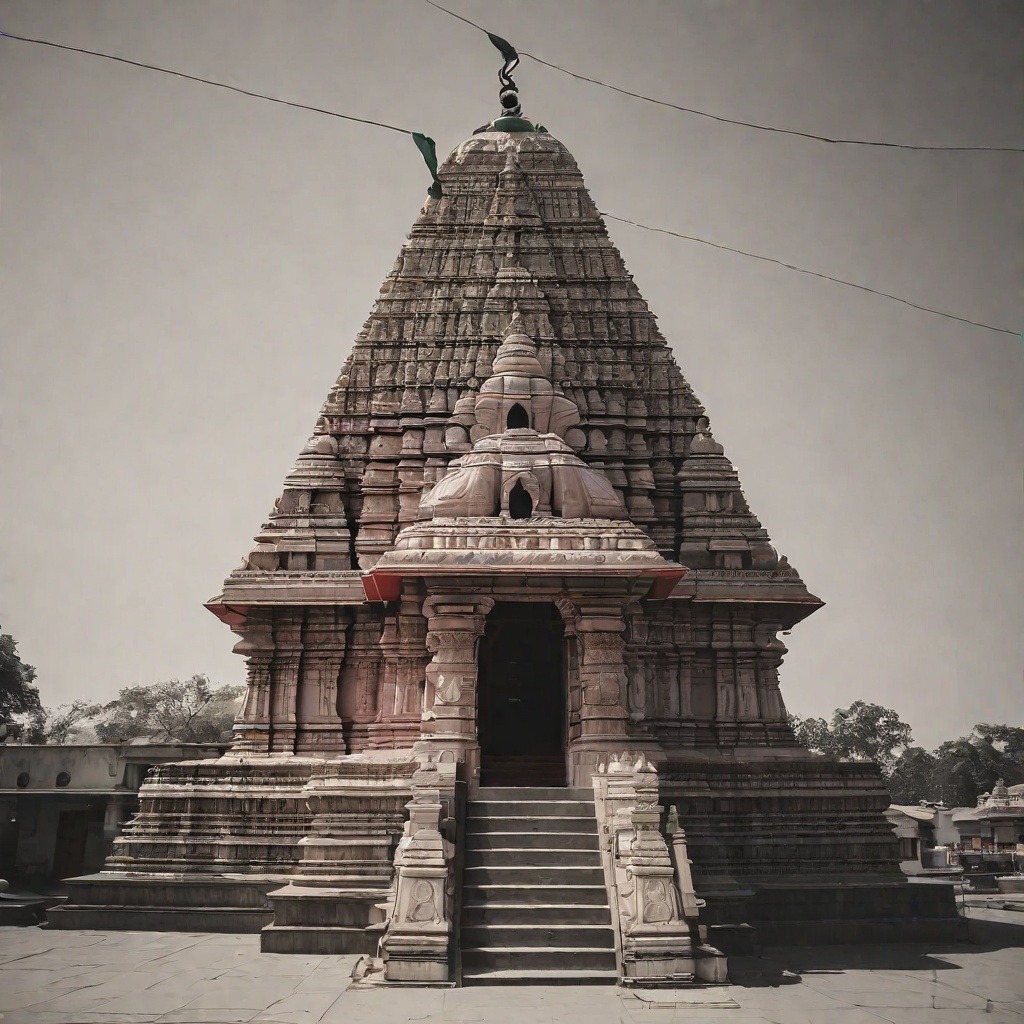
point(62, 806)
point(920, 831)
point(991, 834)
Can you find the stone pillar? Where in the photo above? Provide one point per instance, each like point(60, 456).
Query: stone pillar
point(251, 733)
point(571, 655)
point(771, 651)
point(403, 646)
point(602, 672)
point(604, 719)
point(319, 727)
point(449, 730)
point(288, 627)
point(361, 678)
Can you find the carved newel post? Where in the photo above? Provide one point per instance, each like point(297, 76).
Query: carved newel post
point(416, 944)
point(657, 907)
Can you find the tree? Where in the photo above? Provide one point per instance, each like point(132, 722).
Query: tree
point(1008, 742)
point(956, 772)
point(61, 724)
point(914, 777)
point(18, 696)
point(862, 731)
point(969, 766)
point(192, 711)
point(813, 733)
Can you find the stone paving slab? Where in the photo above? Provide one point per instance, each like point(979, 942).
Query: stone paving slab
point(67, 977)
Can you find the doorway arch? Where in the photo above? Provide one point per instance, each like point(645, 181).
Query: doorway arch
point(517, 418)
point(521, 711)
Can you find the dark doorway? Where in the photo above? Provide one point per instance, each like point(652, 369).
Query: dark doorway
point(69, 847)
point(517, 418)
point(520, 504)
point(522, 696)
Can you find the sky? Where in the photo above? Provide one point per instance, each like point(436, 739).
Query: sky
point(183, 271)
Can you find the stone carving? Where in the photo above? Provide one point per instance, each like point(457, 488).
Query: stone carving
point(422, 903)
point(657, 908)
point(415, 942)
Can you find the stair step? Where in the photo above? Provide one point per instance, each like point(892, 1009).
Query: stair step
point(529, 808)
point(537, 976)
point(550, 875)
point(520, 823)
point(494, 912)
point(546, 895)
point(321, 940)
point(532, 857)
point(521, 936)
point(534, 793)
point(535, 908)
point(532, 957)
point(532, 841)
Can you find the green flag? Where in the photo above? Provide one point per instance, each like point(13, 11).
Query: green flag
point(425, 144)
point(508, 51)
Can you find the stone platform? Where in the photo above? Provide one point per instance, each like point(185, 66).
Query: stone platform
point(90, 977)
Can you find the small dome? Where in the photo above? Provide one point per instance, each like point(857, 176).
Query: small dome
point(559, 483)
point(321, 444)
point(517, 354)
point(705, 444)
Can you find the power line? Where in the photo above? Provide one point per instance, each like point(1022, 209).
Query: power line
point(742, 124)
point(427, 150)
point(811, 273)
point(208, 81)
point(424, 143)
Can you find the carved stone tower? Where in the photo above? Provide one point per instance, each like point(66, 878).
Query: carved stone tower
point(510, 548)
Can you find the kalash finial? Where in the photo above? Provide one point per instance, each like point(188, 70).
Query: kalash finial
point(511, 118)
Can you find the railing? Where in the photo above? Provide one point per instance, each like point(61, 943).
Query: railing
point(420, 935)
point(654, 906)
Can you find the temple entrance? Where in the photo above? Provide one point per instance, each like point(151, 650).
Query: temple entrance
point(521, 703)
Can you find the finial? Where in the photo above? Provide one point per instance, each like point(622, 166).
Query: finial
point(511, 117)
point(509, 93)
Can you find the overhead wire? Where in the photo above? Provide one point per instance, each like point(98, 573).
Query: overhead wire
point(207, 81)
point(424, 143)
point(836, 141)
point(427, 150)
point(811, 273)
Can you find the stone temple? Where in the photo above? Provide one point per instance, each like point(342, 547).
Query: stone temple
point(512, 637)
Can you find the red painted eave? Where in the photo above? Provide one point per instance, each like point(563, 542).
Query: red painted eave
point(665, 581)
point(381, 586)
point(232, 615)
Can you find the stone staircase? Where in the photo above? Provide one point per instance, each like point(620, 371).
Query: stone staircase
point(534, 905)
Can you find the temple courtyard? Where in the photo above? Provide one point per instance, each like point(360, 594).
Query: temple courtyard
point(94, 977)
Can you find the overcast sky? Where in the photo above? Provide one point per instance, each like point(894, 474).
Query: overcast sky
point(185, 269)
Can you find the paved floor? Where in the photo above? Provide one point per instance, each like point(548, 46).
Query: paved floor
point(57, 977)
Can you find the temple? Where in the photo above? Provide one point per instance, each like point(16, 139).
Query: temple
point(512, 637)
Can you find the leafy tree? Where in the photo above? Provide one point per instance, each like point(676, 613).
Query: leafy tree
point(18, 695)
point(1008, 741)
point(956, 772)
point(862, 731)
point(970, 765)
point(61, 724)
point(813, 733)
point(192, 711)
point(913, 777)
